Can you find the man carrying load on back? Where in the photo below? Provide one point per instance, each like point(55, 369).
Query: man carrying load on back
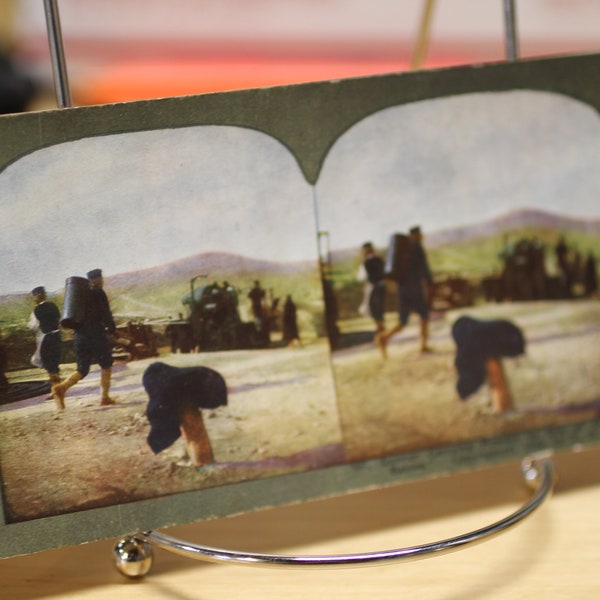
point(413, 292)
point(91, 341)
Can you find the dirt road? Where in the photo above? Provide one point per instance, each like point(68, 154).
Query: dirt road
point(284, 414)
point(409, 401)
point(281, 417)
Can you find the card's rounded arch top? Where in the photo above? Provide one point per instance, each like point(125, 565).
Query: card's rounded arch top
point(306, 118)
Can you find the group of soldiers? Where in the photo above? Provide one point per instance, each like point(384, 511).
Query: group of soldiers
point(576, 271)
point(215, 323)
point(91, 340)
point(480, 344)
point(262, 315)
point(525, 277)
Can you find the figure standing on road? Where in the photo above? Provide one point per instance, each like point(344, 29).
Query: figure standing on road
point(257, 298)
point(291, 335)
point(44, 322)
point(331, 312)
point(562, 258)
point(3, 366)
point(231, 296)
point(591, 275)
point(91, 341)
point(374, 267)
point(413, 292)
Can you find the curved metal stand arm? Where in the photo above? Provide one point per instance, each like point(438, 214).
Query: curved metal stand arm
point(538, 473)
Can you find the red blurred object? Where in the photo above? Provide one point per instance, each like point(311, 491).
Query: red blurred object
point(137, 80)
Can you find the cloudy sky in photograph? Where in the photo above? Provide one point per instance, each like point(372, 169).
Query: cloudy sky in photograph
point(460, 160)
point(129, 201)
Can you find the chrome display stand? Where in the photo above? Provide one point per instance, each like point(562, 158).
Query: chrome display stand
point(134, 554)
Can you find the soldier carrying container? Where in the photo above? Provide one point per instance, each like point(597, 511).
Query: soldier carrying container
point(414, 287)
point(87, 311)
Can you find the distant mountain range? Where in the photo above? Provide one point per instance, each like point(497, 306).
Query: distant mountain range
point(218, 266)
point(511, 221)
point(517, 219)
point(221, 265)
point(215, 266)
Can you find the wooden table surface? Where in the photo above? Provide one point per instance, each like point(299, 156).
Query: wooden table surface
point(553, 554)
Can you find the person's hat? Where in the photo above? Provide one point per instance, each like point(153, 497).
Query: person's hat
point(415, 229)
point(38, 291)
point(94, 274)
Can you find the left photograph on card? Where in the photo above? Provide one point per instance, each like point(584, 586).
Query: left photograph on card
point(162, 331)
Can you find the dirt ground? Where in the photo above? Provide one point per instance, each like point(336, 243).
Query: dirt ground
point(285, 415)
point(281, 417)
point(409, 401)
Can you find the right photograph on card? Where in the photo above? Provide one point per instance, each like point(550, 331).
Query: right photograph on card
point(459, 239)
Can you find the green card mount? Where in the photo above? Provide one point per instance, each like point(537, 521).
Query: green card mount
point(133, 554)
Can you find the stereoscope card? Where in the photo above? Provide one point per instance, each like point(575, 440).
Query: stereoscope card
point(220, 303)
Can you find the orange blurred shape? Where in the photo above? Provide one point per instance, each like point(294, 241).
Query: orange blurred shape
point(140, 80)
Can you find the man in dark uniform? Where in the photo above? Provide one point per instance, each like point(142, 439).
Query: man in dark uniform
point(562, 258)
point(375, 269)
point(44, 322)
point(291, 335)
point(257, 298)
point(91, 341)
point(231, 295)
point(413, 291)
point(3, 366)
point(590, 275)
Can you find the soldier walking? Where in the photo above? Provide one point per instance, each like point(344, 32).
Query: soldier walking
point(374, 268)
point(413, 292)
point(91, 341)
point(44, 322)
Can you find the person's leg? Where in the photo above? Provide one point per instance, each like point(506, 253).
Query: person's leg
point(403, 315)
point(50, 352)
point(501, 397)
point(377, 310)
point(384, 337)
point(105, 377)
point(194, 434)
point(84, 360)
point(380, 340)
point(59, 390)
point(54, 378)
point(421, 307)
point(103, 353)
point(425, 336)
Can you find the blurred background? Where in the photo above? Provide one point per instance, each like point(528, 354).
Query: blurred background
point(121, 50)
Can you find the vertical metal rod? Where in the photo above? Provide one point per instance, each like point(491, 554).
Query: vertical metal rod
point(510, 25)
point(420, 48)
point(57, 55)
